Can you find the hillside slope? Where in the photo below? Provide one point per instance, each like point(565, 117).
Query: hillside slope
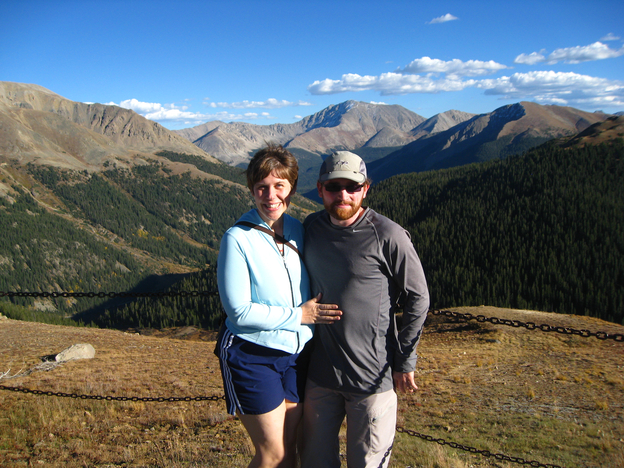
point(541, 230)
point(544, 397)
point(597, 134)
point(508, 130)
point(37, 125)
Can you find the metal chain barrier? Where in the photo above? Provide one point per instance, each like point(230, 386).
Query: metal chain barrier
point(618, 337)
point(447, 313)
point(111, 295)
point(387, 454)
point(111, 398)
point(532, 326)
point(410, 432)
point(467, 448)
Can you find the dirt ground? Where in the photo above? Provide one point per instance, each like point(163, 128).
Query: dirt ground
point(476, 379)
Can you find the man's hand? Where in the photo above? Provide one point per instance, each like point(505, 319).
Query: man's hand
point(315, 313)
point(404, 382)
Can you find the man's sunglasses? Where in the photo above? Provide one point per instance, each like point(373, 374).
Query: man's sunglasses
point(353, 188)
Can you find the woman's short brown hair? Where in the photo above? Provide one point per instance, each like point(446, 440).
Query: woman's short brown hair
point(273, 158)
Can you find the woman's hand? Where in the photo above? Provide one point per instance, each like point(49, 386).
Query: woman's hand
point(315, 313)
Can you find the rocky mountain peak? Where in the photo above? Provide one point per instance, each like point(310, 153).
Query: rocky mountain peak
point(39, 125)
point(347, 125)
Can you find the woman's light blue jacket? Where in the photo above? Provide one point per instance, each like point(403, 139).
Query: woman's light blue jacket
point(261, 290)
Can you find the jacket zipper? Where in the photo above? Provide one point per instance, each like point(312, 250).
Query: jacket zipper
point(292, 292)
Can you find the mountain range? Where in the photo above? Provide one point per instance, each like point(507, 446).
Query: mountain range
point(394, 140)
point(97, 198)
point(37, 125)
point(508, 130)
point(348, 125)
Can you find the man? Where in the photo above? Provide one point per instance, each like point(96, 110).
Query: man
point(365, 263)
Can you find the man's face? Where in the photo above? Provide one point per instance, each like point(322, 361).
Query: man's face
point(342, 199)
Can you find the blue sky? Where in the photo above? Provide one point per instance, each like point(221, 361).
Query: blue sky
point(183, 63)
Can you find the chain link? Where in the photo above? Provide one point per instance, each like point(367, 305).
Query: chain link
point(532, 326)
point(467, 448)
point(111, 398)
point(110, 295)
point(410, 432)
point(600, 335)
point(447, 313)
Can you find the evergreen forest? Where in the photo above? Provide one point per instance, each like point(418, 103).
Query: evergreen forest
point(43, 252)
point(540, 231)
point(121, 240)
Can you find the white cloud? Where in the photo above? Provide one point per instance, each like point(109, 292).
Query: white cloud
point(443, 19)
point(420, 76)
point(268, 104)
point(172, 113)
point(388, 84)
point(452, 67)
point(437, 76)
point(140, 107)
point(549, 87)
point(610, 37)
point(530, 59)
point(158, 112)
point(595, 51)
point(578, 54)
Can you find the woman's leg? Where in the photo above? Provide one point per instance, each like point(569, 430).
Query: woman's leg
point(292, 432)
point(267, 432)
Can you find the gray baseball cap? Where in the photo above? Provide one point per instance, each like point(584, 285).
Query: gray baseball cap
point(343, 165)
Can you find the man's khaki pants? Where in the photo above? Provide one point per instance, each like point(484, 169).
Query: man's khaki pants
point(371, 424)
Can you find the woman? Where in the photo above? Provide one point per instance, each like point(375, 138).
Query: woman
point(264, 289)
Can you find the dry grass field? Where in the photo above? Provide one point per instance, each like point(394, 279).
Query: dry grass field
point(544, 397)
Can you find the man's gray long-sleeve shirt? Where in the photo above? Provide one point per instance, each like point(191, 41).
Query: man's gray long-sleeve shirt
point(366, 268)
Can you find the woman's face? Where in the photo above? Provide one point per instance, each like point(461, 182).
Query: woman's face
point(272, 197)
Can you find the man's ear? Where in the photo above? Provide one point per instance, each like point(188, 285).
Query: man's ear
point(365, 188)
point(319, 187)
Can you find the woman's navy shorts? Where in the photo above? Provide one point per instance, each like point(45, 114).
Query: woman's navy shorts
point(256, 379)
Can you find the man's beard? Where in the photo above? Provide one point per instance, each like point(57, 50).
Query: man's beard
point(342, 214)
